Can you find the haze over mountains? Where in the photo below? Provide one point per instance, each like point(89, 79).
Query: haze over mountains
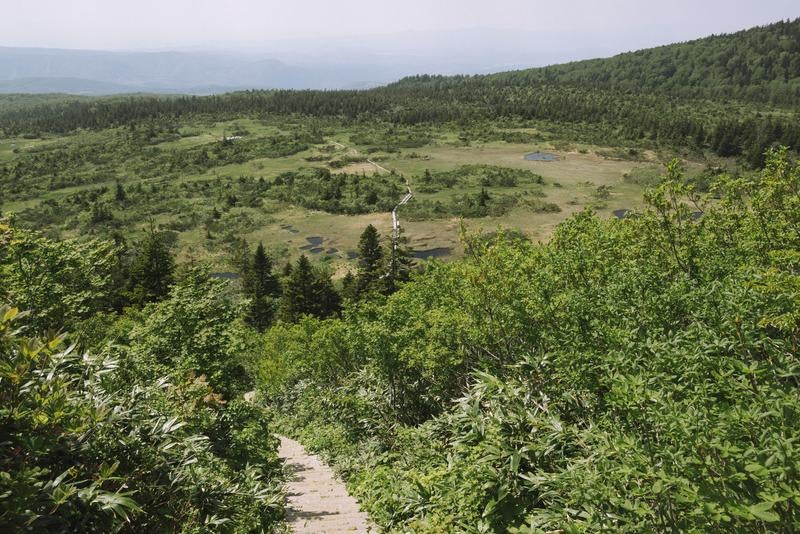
point(330, 63)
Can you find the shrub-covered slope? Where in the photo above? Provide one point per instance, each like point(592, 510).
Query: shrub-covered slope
point(137, 426)
point(634, 375)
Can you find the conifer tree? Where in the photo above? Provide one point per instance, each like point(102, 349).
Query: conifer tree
point(349, 286)
point(265, 283)
point(298, 294)
point(329, 302)
point(306, 292)
point(263, 290)
point(152, 270)
point(401, 262)
point(120, 195)
point(370, 254)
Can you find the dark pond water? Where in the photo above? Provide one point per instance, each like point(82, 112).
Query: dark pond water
point(316, 250)
point(621, 214)
point(351, 255)
point(541, 156)
point(225, 276)
point(696, 215)
point(432, 253)
point(314, 240)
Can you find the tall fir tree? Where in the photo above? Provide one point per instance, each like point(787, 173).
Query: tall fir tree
point(265, 283)
point(151, 273)
point(370, 261)
point(349, 286)
point(401, 263)
point(263, 290)
point(306, 292)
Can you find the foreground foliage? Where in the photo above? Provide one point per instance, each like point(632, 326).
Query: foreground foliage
point(140, 427)
point(633, 375)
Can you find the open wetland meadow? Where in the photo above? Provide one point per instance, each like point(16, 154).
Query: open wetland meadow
point(312, 187)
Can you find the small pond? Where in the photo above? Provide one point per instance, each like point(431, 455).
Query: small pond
point(621, 214)
point(432, 253)
point(315, 240)
point(541, 156)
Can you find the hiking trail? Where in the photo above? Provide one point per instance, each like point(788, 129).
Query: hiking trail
point(316, 501)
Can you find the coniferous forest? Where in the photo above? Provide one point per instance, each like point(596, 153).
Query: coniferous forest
point(566, 367)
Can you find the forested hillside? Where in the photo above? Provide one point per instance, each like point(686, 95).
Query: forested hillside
point(635, 374)
point(760, 64)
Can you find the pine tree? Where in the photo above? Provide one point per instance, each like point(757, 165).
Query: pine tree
point(265, 283)
point(401, 262)
point(307, 292)
point(151, 273)
point(329, 302)
point(370, 254)
point(298, 291)
point(263, 290)
point(120, 195)
point(349, 286)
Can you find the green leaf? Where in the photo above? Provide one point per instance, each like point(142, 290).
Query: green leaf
point(763, 511)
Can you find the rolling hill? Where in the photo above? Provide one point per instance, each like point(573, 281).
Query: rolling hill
point(760, 64)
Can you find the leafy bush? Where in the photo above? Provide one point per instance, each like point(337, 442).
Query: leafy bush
point(57, 280)
point(85, 449)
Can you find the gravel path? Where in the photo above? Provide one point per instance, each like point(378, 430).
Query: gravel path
point(317, 502)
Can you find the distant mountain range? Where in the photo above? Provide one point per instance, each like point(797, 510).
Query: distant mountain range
point(344, 63)
point(33, 70)
point(761, 63)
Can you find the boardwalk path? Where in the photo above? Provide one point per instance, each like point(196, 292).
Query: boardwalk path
point(317, 502)
point(404, 200)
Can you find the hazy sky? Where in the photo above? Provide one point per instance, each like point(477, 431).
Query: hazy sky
point(159, 24)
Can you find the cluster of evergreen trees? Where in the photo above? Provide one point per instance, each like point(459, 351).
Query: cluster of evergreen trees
point(302, 289)
point(664, 119)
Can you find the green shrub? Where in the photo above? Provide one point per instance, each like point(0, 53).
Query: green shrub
point(85, 449)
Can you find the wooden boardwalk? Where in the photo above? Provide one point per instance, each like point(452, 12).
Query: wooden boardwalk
point(317, 502)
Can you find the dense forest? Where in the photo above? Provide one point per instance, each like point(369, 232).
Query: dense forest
point(760, 64)
point(628, 373)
